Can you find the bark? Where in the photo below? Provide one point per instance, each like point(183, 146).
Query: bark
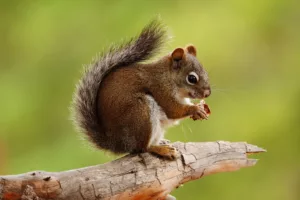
point(139, 176)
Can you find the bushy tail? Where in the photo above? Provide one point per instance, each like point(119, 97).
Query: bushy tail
point(138, 49)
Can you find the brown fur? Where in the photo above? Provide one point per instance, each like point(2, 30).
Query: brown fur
point(84, 105)
point(119, 117)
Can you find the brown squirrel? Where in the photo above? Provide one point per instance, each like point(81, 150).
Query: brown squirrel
point(124, 105)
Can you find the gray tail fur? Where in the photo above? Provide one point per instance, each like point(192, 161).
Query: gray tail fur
point(137, 49)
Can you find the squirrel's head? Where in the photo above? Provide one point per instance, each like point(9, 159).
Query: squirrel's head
point(188, 74)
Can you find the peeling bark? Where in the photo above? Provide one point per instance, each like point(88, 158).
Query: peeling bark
point(133, 177)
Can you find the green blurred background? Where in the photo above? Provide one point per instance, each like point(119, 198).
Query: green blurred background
point(251, 50)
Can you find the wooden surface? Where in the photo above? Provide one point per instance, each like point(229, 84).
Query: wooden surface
point(140, 176)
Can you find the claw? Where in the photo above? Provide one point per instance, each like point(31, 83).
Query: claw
point(164, 141)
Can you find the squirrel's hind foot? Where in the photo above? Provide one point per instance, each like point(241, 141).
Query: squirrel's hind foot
point(165, 150)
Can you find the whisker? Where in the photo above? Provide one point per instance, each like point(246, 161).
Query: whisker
point(191, 131)
point(184, 132)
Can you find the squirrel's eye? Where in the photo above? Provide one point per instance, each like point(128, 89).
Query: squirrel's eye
point(192, 78)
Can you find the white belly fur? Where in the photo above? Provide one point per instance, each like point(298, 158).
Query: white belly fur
point(159, 121)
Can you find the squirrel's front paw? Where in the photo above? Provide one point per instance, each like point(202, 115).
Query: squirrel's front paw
point(202, 111)
point(166, 151)
point(199, 114)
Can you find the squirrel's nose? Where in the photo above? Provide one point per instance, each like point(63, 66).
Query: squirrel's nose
point(206, 92)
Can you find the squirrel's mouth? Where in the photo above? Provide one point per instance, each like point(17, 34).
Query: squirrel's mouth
point(194, 95)
point(202, 94)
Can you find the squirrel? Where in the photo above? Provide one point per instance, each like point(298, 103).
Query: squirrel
point(124, 104)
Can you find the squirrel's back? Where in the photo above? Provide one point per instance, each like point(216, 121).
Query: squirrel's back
point(135, 50)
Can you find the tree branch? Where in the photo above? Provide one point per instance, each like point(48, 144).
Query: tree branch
point(139, 176)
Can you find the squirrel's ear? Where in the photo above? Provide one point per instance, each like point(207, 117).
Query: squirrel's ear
point(177, 54)
point(191, 49)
